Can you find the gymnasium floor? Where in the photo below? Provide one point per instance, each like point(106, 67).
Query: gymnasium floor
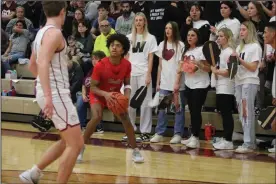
point(108, 160)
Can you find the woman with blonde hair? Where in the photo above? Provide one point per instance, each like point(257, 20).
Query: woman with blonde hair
point(143, 46)
point(225, 88)
point(249, 55)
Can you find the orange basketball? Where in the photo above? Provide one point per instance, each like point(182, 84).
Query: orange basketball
point(121, 104)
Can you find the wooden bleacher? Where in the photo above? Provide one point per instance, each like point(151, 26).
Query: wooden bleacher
point(21, 106)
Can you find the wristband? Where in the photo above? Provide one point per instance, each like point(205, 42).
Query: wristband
point(127, 87)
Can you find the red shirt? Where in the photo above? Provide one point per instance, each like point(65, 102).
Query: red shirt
point(111, 77)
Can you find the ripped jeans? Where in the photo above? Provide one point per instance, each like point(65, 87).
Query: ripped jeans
point(245, 97)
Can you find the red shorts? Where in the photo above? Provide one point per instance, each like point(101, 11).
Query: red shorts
point(94, 99)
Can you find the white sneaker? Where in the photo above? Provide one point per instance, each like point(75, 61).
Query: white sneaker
point(157, 138)
point(137, 157)
point(194, 143)
point(242, 149)
point(224, 145)
point(272, 150)
point(185, 142)
point(30, 177)
point(80, 156)
point(176, 139)
point(217, 140)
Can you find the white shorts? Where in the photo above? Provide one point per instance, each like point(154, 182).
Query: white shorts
point(64, 112)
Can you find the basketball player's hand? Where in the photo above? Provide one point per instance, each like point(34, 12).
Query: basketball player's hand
point(274, 101)
point(49, 107)
point(148, 79)
point(109, 98)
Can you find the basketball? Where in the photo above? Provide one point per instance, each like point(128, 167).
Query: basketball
point(121, 104)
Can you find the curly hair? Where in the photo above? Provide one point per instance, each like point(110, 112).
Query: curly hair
point(120, 38)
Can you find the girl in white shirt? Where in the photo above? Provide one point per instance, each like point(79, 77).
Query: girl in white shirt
point(143, 46)
point(197, 84)
point(249, 54)
point(169, 53)
point(226, 11)
point(225, 88)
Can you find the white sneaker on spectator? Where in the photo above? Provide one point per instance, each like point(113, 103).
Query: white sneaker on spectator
point(185, 142)
point(157, 138)
point(175, 139)
point(242, 149)
point(30, 176)
point(217, 140)
point(272, 150)
point(137, 156)
point(224, 145)
point(194, 143)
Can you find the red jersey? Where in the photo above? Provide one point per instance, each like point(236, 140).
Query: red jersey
point(111, 77)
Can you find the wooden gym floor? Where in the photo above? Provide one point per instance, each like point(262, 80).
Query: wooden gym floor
point(108, 160)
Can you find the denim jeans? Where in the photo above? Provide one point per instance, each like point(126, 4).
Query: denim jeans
point(179, 117)
point(82, 110)
point(13, 60)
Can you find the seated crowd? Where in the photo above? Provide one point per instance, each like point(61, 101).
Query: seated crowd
point(161, 35)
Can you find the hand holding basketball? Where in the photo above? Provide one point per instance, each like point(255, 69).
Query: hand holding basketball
point(119, 103)
point(110, 98)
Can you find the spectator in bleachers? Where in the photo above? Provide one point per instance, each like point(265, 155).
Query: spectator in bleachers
point(228, 21)
point(20, 16)
point(33, 11)
point(7, 12)
point(91, 10)
point(140, 6)
point(75, 78)
point(195, 21)
point(167, 72)
point(115, 10)
point(4, 46)
point(80, 5)
point(73, 49)
point(85, 39)
point(176, 12)
point(106, 31)
point(83, 95)
point(249, 54)
point(211, 11)
point(103, 11)
point(197, 84)
point(79, 17)
point(125, 21)
point(265, 5)
point(17, 45)
point(224, 87)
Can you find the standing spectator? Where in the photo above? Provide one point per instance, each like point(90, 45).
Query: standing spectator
point(91, 10)
point(196, 21)
point(17, 46)
point(124, 22)
point(228, 21)
point(106, 31)
point(167, 72)
point(7, 12)
point(197, 85)
point(34, 9)
point(143, 47)
point(249, 54)
point(103, 15)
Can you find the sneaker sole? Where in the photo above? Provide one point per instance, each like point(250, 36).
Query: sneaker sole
point(138, 161)
point(25, 180)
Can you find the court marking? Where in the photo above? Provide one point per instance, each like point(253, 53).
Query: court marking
point(176, 149)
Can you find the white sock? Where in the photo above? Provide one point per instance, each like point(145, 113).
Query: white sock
point(35, 170)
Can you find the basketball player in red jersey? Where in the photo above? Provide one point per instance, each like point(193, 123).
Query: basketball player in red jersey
point(49, 64)
point(108, 76)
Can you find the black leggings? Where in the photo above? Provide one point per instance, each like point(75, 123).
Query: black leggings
point(195, 100)
point(225, 105)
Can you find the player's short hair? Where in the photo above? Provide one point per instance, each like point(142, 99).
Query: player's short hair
point(99, 54)
point(120, 38)
point(271, 25)
point(53, 8)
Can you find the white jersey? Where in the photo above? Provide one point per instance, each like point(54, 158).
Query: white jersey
point(58, 70)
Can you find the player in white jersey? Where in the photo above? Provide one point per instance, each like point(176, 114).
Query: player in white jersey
point(49, 63)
